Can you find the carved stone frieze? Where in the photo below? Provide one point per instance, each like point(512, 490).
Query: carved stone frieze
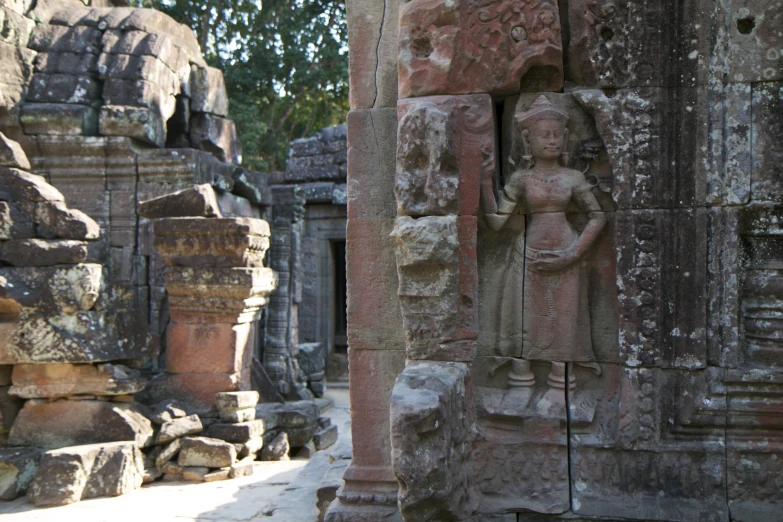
point(472, 46)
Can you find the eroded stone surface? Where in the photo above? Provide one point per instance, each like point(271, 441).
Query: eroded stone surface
point(467, 46)
point(70, 474)
point(39, 381)
point(431, 440)
point(18, 467)
point(207, 452)
point(72, 422)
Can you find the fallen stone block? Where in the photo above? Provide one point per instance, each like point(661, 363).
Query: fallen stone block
point(168, 453)
point(203, 451)
point(277, 449)
point(68, 475)
point(242, 468)
point(237, 416)
point(166, 410)
point(17, 468)
point(250, 448)
point(41, 252)
point(290, 414)
point(300, 436)
point(195, 473)
point(236, 400)
point(306, 451)
point(240, 432)
point(12, 154)
point(197, 201)
point(55, 220)
point(70, 423)
point(151, 471)
point(172, 468)
point(41, 381)
point(220, 474)
point(325, 437)
point(177, 428)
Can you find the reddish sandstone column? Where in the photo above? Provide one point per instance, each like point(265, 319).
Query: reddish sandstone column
point(217, 286)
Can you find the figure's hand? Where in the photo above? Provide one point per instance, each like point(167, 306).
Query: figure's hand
point(554, 260)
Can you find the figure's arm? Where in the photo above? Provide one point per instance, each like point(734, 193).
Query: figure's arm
point(597, 222)
point(506, 204)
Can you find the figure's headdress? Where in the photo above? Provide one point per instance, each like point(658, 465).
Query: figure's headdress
point(541, 109)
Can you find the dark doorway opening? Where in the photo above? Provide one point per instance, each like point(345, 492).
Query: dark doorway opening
point(340, 298)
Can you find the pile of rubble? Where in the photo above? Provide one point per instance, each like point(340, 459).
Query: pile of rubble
point(179, 446)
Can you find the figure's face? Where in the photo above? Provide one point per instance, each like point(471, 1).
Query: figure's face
point(546, 139)
point(547, 17)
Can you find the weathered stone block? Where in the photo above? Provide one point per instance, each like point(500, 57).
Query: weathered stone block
point(209, 348)
point(372, 138)
point(23, 186)
point(436, 265)
point(277, 449)
point(219, 242)
point(82, 39)
point(18, 466)
point(207, 452)
point(67, 63)
point(9, 409)
point(754, 41)
point(55, 290)
point(372, 37)
point(430, 436)
point(216, 135)
point(67, 119)
point(325, 437)
point(135, 122)
point(70, 474)
point(662, 272)
point(243, 468)
point(43, 381)
point(197, 201)
point(70, 422)
point(12, 154)
point(64, 89)
point(208, 91)
point(84, 337)
point(465, 47)
point(445, 154)
point(237, 416)
point(55, 220)
point(373, 304)
point(236, 400)
point(240, 433)
point(43, 252)
point(176, 428)
point(766, 149)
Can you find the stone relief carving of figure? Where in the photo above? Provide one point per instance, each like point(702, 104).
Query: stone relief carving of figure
point(545, 304)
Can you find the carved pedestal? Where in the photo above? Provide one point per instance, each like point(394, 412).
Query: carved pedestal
point(216, 287)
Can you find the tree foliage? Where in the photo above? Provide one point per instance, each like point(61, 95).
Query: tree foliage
point(285, 65)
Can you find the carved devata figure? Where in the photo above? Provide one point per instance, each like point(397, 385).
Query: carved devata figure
point(545, 304)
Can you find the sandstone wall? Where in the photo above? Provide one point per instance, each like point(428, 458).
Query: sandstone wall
point(627, 386)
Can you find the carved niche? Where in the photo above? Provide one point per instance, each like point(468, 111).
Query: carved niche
point(547, 297)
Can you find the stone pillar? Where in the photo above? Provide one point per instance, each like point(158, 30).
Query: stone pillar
point(217, 286)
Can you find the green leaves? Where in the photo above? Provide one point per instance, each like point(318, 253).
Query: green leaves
point(285, 65)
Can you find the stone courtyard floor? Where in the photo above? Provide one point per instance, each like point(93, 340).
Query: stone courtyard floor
point(276, 492)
